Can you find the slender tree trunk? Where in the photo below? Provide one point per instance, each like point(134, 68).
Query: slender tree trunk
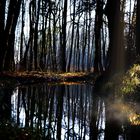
point(78, 50)
point(63, 47)
point(22, 30)
point(54, 44)
point(2, 19)
point(29, 61)
point(84, 42)
point(36, 36)
point(89, 42)
point(22, 34)
point(72, 37)
point(138, 28)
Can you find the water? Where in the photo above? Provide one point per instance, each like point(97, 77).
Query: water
point(62, 112)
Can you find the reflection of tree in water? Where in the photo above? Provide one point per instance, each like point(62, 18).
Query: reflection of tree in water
point(113, 126)
point(5, 103)
point(58, 112)
point(63, 112)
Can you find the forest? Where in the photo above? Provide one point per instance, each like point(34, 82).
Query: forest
point(69, 35)
point(70, 69)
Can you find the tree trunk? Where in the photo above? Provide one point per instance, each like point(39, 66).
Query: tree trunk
point(63, 47)
point(2, 19)
point(54, 44)
point(12, 18)
point(138, 28)
point(36, 36)
point(98, 26)
point(72, 37)
point(22, 30)
point(116, 46)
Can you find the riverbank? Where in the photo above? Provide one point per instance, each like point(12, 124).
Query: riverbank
point(17, 78)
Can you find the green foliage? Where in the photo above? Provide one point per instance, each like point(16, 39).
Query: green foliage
point(124, 84)
point(131, 80)
point(125, 90)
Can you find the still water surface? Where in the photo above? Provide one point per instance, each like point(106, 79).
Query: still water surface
point(62, 112)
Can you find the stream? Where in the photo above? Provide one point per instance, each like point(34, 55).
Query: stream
point(66, 112)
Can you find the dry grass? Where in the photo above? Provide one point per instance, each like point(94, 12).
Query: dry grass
point(35, 76)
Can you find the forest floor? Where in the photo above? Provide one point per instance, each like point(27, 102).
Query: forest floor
point(18, 78)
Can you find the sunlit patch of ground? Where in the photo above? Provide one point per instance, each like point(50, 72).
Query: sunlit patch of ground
point(66, 83)
point(37, 76)
point(47, 74)
point(69, 74)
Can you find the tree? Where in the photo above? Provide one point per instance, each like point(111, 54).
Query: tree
point(63, 42)
point(138, 28)
point(72, 36)
point(2, 20)
point(98, 27)
point(36, 36)
point(7, 47)
point(116, 46)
